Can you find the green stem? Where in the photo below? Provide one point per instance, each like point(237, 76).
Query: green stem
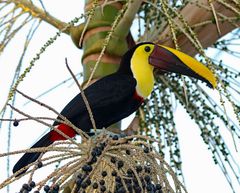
point(126, 21)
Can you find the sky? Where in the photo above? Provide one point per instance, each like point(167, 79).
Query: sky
point(200, 172)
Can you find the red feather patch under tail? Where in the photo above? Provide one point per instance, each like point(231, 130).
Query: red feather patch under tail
point(54, 136)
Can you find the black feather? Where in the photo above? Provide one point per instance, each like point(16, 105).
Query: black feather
point(110, 99)
point(28, 158)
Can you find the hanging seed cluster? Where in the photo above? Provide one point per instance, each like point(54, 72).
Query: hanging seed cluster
point(206, 115)
point(228, 72)
point(157, 121)
point(152, 17)
point(107, 163)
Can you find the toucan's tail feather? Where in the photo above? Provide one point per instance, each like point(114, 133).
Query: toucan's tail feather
point(29, 158)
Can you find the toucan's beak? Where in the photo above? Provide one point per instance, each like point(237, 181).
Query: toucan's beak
point(170, 60)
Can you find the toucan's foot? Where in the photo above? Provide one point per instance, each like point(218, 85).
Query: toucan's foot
point(103, 132)
point(94, 132)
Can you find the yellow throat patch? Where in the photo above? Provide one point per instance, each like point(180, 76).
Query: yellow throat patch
point(142, 71)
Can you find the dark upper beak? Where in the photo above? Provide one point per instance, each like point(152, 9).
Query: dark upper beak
point(170, 60)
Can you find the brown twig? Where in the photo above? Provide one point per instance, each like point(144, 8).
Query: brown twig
point(44, 123)
point(83, 96)
point(67, 122)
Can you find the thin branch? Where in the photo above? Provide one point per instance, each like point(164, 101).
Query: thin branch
point(127, 19)
point(41, 2)
point(44, 123)
point(90, 16)
point(37, 12)
point(67, 122)
point(56, 86)
point(215, 17)
point(83, 96)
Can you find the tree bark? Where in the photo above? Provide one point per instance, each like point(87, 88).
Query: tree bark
point(208, 33)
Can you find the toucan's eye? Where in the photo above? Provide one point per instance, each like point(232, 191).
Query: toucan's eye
point(147, 49)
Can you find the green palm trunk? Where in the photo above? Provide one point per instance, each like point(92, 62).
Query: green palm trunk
point(93, 36)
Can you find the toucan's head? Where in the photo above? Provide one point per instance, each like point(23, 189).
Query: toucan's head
point(144, 57)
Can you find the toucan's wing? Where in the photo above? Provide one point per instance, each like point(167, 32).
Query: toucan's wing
point(108, 91)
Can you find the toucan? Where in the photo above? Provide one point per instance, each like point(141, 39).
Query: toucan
point(118, 95)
